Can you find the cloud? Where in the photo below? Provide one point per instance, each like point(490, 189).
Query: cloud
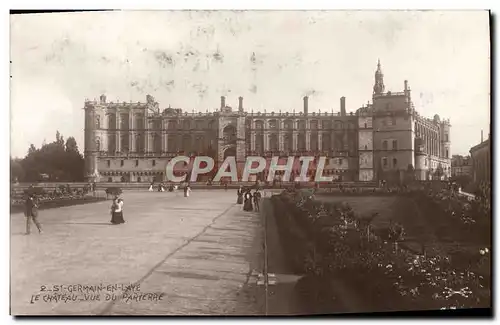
point(272, 58)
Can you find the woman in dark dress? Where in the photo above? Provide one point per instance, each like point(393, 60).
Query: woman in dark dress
point(117, 211)
point(247, 206)
point(240, 195)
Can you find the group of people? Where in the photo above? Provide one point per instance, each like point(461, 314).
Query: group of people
point(250, 201)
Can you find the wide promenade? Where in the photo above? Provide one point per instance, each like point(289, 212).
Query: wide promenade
point(184, 256)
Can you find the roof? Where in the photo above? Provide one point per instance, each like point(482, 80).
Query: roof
point(480, 146)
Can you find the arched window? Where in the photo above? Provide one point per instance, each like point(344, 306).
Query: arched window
point(112, 121)
point(229, 134)
point(98, 122)
point(112, 143)
point(287, 143)
point(172, 125)
point(325, 124)
point(200, 144)
point(273, 124)
point(394, 162)
point(301, 145)
point(273, 142)
point(157, 143)
point(339, 125)
point(171, 143)
point(186, 125)
point(124, 143)
point(259, 125)
point(326, 142)
point(313, 124)
point(124, 121)
point(186, 143)
point(259, 143)
point(139, 121)
point(314, 141)
point(301, 124)
point(139, 143)
point(199, 124)
point(288, 124)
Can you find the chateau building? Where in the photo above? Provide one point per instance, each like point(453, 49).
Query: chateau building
point(481, 161)
point(133, 142)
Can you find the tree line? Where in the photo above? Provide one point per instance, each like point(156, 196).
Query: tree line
point(58, 161)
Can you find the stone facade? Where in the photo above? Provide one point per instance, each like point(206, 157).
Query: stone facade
point(481, 162)
point(133, 142)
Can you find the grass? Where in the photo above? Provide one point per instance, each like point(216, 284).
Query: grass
point(425, 228)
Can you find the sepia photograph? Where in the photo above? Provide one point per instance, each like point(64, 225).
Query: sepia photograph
point(250, 163)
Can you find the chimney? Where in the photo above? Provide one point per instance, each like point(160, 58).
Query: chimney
point(306, 105)
point(406, 85)
point(240, 105)
point(222, 102)
point(481, 136)
point(342, 106)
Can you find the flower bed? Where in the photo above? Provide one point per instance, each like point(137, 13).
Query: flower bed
point(17, 205)
point(326, 241)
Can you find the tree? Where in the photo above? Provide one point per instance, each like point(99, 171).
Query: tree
point(71, 145)
point(62, 162)
point(32, 149)
point(16, 170)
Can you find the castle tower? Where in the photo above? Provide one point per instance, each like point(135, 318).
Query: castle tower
point(379, 86)
point(90, 151)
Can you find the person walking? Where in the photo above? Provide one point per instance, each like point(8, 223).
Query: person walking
point(117, 211)
point(256, 200)
point(187, 190)
point(31, 213)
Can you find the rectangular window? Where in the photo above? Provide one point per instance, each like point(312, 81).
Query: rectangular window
point(394, 144)
point(446, 137)
point(122, 163)
point(394, 162)
point(154, 162)
point(384, 145)
point(384, 162)
point(109, 163)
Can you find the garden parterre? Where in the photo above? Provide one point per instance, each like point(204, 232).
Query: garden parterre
point(328, 241)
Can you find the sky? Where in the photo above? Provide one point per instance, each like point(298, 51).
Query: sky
point(188, 59)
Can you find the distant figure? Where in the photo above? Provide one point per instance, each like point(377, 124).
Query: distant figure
point(187, 190)
point(256, 200)
point(240, 195)
point(31, 213)
point(151, 187)
point(247, 205)
point(117, 211)
point(225, 185)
